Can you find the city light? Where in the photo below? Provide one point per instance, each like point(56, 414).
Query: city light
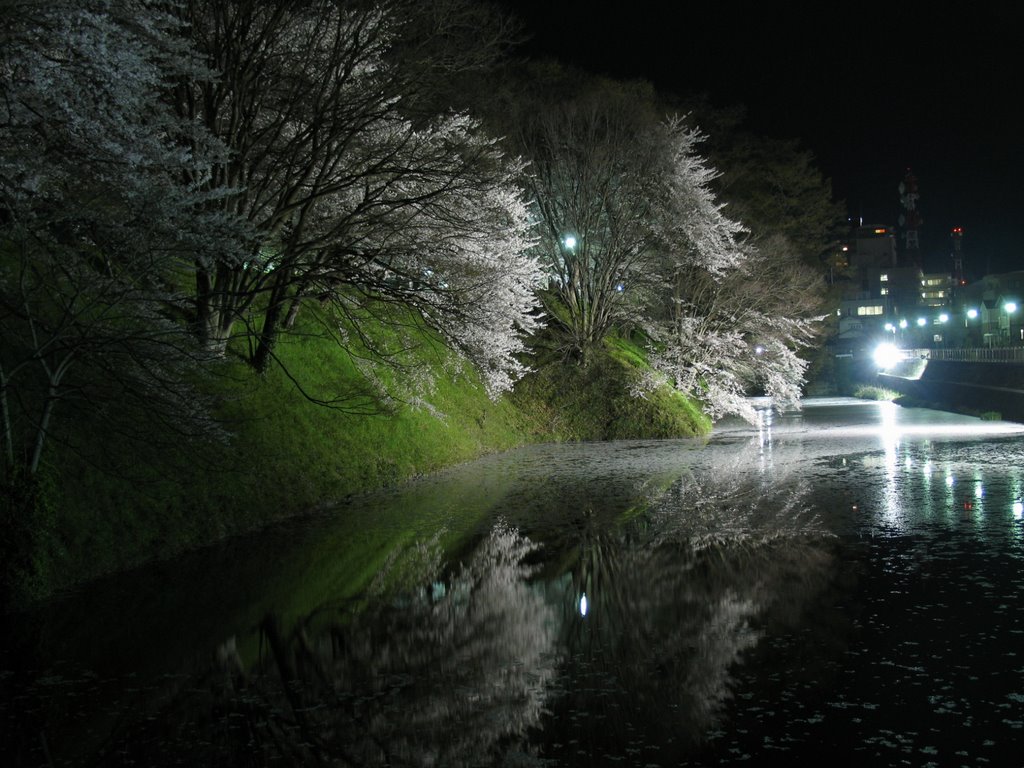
point(972, 313)
point(887, 355)
point(570, 242)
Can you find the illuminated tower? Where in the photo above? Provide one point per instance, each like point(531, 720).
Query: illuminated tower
point(910, 219)
point(957, 236)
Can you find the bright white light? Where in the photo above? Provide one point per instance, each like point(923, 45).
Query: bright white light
point(886, 355)
point(583, 605)
point(972, 313)
point(943, 318)
point(903, 323)
point(1010, 306)
point(1018, 509)
point(921, 321)
point(570, 241)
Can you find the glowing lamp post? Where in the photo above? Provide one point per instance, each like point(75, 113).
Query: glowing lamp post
point(1010, 309)
point(970, 335)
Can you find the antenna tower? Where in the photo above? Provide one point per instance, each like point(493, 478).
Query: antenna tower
point(910, 219)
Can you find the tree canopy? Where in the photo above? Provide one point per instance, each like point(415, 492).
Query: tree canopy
point(179, 181)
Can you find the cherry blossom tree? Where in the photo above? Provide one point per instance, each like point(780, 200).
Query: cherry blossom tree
point(356, 184)
point(95, 218)
point(741, 330)
point(598, 182)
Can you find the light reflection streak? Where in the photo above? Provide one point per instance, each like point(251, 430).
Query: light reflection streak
point(764, 437)
point(894, 431)
point(898, 447)
point(1016, 494)
point(908, 445)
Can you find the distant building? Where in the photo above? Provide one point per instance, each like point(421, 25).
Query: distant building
point(885, 298)
point(992, 310)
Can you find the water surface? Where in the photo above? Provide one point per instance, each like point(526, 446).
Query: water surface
point(840, 584)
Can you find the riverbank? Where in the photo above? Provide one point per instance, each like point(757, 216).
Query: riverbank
point(966, 386)
point(116, 495)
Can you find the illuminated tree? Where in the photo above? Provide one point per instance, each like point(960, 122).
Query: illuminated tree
point(597, 181)
point(355, 183)
point(97, 221)
point(740, 331)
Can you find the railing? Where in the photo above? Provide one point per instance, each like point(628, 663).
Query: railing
point(975, 354)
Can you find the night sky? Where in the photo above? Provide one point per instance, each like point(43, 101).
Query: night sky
point(870, 94)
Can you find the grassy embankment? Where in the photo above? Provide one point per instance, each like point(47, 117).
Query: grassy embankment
point(285, 455)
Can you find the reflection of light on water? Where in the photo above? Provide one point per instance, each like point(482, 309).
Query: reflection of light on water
point(764, 435)
point(583, 604)
point(896, 431)
point(949, 480)
point(1017, 505)
point(890, 444)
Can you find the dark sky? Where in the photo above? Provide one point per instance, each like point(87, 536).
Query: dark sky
point(871, 93)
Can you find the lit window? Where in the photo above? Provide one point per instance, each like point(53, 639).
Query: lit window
point(883, 278)
point(885, 291)
point(875, 310)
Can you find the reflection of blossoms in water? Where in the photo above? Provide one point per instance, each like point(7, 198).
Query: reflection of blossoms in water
point(677, 597)
point(737, 501)
point(439, 679)
point(719, 643)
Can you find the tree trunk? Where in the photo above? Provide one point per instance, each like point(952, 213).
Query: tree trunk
point(5, 417)
point(293, 312)
point(271, 321)
point(52, 395)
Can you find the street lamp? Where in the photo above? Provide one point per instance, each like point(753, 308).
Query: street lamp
point(1010, 307)
point(569, 241)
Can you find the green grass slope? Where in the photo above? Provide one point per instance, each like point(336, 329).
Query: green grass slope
point(115, 504)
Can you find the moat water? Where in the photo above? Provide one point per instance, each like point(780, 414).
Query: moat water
point(840, 585)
